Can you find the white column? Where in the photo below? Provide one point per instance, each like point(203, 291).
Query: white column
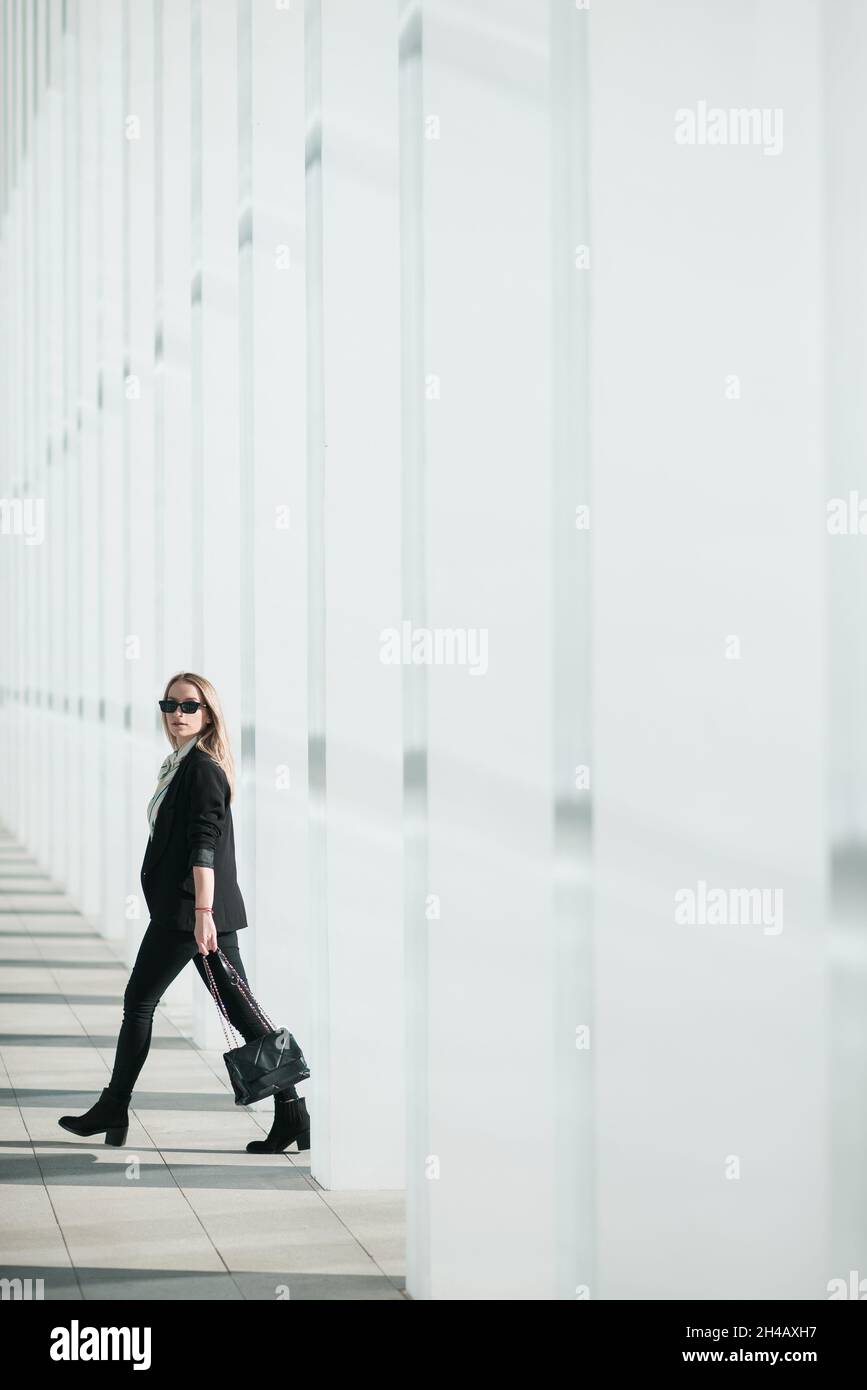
point(217, 480)
point(846, 413)
point(355, 593)
point(482, 1159)
point(69, 539)
point(173, 498)
point(55, 266)
point(40, 766)
point(176, 616)
point(272, 865)
point(89, 624)
point(708, 610)
point(29, 557)
point(139, 387)
point(121, 891)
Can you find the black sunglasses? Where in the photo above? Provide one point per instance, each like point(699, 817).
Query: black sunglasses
point(188, 706)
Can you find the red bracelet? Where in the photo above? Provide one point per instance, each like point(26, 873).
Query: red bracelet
point(204, 909)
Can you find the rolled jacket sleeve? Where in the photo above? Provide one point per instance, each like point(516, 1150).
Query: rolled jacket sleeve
point(209, 805)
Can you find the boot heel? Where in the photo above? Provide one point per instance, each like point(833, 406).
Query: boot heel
point(304, 1141)
point(116, 1136)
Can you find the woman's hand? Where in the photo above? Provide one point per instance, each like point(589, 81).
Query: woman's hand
point(206, 932)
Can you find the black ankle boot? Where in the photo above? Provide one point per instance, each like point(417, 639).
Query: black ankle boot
point(109, 1115)
point(291, 1121)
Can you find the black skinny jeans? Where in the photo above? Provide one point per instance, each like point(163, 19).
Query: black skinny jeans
point(161, 957)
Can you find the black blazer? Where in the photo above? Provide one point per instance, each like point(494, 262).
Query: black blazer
point(193, 826)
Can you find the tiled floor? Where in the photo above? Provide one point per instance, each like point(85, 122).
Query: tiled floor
point(182, 1211)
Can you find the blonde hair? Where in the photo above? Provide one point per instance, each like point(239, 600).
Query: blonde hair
point(215, 739)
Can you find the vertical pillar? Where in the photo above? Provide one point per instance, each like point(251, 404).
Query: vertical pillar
point(139, 387)
point(845, 129)
point(218, 483)
point(354, 590)
point(121, 891)
point(708, 615)
point(89, 619)
point(69, 535)
point(273, 861)
point(481, 908)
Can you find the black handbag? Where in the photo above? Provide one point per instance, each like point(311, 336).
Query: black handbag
point(263, 1065)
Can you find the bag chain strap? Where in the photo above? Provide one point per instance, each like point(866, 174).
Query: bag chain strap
point(218, 1001)
point(240, 984)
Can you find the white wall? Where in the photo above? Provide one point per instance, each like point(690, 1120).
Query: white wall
point(309, 354)
point(709, 524)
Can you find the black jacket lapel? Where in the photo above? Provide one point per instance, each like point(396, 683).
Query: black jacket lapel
point(165, 814)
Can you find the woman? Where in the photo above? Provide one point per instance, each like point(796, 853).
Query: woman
point(190, 886)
